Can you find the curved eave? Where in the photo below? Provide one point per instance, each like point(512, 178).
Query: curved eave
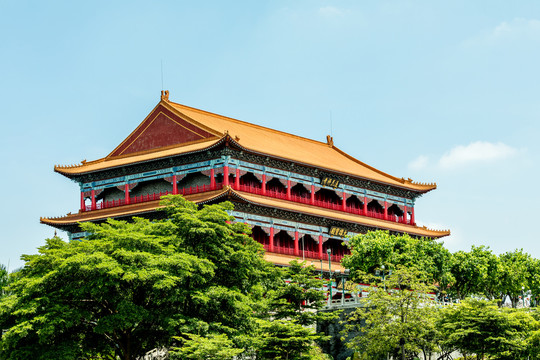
point(131, 159)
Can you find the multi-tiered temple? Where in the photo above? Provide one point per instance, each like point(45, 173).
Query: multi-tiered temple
point(300, 196)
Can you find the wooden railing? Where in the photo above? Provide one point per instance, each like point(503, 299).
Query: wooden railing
point(306, 253)
point(303, 199)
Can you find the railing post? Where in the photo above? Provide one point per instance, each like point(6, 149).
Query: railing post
point(365, 206)
point(271, 248)
point(126, 193)
point(296, 250)
point(93, 207)
point(288, 189)
point(212, 179)
point(320, 247)
point(83, 205)
point(174, 185)
point(225, 176)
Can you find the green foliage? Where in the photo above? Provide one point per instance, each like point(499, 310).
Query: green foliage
point(478, 271)
point(130, 287)
point(370, 251)
point(299, 295)
point(211, 347)
point(515, 274)
point(480, 327)
point(4, 276)
point(397, 321)
point(285, 339)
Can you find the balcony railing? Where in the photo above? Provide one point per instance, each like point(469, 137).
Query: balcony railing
point(306, 253)
point(303, 199)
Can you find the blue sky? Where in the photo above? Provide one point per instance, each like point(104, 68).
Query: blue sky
point(437, 91)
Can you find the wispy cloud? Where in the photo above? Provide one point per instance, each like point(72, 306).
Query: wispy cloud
point(476, 152)
point(463, 155)
point(513, 30)
point(419, 163)
point(330, 11)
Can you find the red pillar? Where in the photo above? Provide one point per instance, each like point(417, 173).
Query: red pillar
point(83, 205)
point(296, 251)
point(93, 200)
point(365, 206)
point(412, 216)
point(126, 193)
point(174, 185)
point(212, 179)
point(264, 184)
point(237, 179)
point(344, 202)
point(385, 210)
point(405, 214)
point(288, 189)
point(271, 247)
point(312, 194)
point(320, 247)
point(225, 176)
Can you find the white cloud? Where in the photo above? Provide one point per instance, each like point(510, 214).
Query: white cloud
point(419, 163)
point(330, 11)
point(514, 30)
point(476, 152)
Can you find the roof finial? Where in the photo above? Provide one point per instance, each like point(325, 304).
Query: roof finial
point(329, 140)
point(165, 95)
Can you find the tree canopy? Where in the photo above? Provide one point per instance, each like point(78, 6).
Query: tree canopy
point(132, 286)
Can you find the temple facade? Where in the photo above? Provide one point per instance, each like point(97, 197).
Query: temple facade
point(301, 197)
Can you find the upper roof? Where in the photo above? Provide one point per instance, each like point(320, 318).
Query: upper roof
point(174, 129)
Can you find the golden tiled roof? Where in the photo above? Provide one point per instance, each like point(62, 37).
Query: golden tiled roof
point(255, 138)
point(260, 200)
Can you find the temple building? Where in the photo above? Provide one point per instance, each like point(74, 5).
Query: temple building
point(301, 197)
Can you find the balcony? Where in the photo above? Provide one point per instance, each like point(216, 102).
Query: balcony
point(306, 253)
point(258, 191)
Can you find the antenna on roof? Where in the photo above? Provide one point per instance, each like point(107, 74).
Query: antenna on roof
point(331, 132)
point(161, 74)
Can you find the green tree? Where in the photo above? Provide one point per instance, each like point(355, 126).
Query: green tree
point(299, 296)
point(4, 276)
point(370, 251)
point(211, 347)
point(515, 274)
point(398, 321)
point(481, 328)
point(476, 272)
point(285, 339)
point(129, 287)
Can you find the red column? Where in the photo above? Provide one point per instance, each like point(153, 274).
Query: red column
point(93, 200)
point(385, 210)
point(237, 179)
point(212, 179)
point(83, 205)
point(320, 247)
point(365, 206)
point(412, 216)
point(405, 214)
point(296, 251)
point(312, 194)
point(344, 202)
point(225, 176)
point(126, 193)
point(264, 184)
point(288, 189)
point(174, 185)
point(271, 247)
